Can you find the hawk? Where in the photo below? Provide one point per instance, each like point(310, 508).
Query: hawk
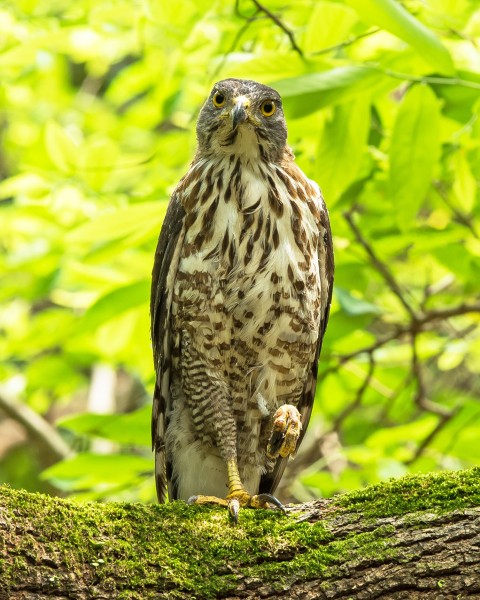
point(240, 298)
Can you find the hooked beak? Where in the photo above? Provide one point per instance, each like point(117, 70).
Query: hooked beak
point(239, 113)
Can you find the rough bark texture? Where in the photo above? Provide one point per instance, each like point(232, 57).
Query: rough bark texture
point(416, 537)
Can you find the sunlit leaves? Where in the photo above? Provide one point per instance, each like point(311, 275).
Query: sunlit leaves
point(115, 303)
point(127, 429)
point(414, 151)
point(465, 187)
point(130, 221)
point(25, 186)
point(355, 306)
point(60, 147)
point(342, 146)
point(99, 102)
point(329, 24)
point(308, 93)
point(391, 16)
point(101, 471)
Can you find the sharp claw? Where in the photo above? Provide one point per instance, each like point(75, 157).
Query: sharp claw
point(234, 509)
point(272, 500)
point(275, 442)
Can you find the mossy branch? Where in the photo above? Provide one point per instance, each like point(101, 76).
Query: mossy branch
point(415, 537)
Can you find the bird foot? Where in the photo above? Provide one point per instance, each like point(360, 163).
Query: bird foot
point(286, 429)
point(239, 499)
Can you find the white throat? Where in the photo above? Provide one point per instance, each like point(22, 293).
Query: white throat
point(245, 144)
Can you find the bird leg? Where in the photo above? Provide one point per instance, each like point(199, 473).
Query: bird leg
point(238, 497)
point(286, 429)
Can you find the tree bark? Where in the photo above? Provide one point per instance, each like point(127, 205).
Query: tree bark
point(415, 537)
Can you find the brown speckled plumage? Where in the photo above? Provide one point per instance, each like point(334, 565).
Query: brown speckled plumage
point(241, 291)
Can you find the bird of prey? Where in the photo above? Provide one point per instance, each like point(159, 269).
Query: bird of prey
point(242, 284)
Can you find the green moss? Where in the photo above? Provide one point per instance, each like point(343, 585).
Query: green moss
point(159, 551)
point(435, 492)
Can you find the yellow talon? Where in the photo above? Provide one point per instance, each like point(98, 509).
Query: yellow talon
point(238, 497)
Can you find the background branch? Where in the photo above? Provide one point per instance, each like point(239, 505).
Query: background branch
point(282, 26)
point(39, 430)
point(380, 266)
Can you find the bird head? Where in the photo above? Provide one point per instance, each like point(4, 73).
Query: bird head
point(242, 117)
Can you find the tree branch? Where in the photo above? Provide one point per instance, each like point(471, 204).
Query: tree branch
point(237, 38)
point(421, 399)
point(396, 334)
point(36, 426)
point(358, 396)
point(394, 540)
point(279, 23)
point(427, 79)
point(415, 327)
point(379, 265)
point(346, 43)
point(442, 421)
point(459, 216)
point(447, 313)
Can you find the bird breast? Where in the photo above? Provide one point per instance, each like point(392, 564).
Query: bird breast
point(248, 277)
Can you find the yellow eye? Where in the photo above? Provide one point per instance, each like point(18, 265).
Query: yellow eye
point(218, 99)
point(268, 108)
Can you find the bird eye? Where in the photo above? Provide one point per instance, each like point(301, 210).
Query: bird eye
point(268, 108)
point(218, 100)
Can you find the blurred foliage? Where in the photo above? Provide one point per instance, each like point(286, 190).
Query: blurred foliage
point(98, 106)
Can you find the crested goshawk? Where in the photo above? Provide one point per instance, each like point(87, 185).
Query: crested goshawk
point(241, 291)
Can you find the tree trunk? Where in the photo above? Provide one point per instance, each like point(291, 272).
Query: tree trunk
point(415, 537)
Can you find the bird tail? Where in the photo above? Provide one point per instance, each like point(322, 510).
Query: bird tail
point(158, 444)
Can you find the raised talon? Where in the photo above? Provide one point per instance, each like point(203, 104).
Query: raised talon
point(286, 429)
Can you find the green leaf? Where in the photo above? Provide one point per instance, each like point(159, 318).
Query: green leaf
point(60, 147)
point(453, 355)
point(418, 242)
point(307, 93)
point(355, 306)
point(98, 158)
point(88, 470)
point(115, 303)
point(55, 369)
point(390, 437)
point(341, 147)
point(414, 151)
point(131, 429)
point(393, 17)
point(335, 21)
point(465, 186)
point(125, 222)
point(30, 185)
point(459, 100)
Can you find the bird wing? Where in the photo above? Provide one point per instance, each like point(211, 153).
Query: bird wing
point(165, 267)
point(270, 480)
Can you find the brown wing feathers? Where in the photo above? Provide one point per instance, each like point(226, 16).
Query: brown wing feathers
point(164, 269)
